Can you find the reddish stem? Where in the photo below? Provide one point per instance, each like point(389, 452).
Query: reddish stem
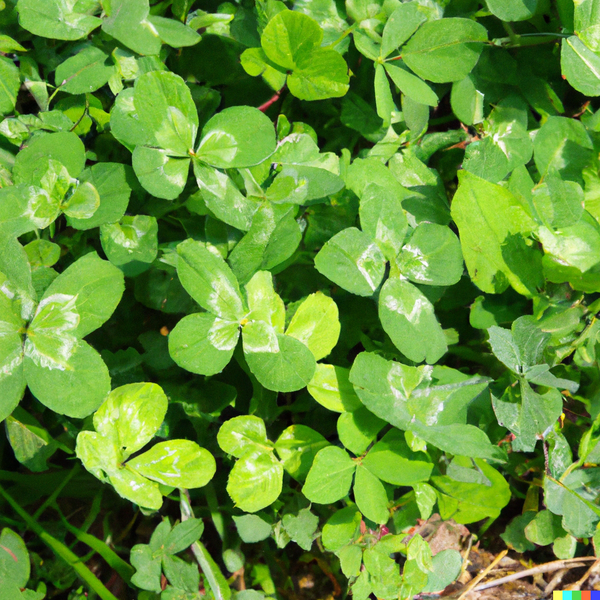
point(264, 107)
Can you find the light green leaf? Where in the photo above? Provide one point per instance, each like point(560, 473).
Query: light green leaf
point(467, 101)
point(401, 24)
point(331, 388)
point(77, 390)
point(86, 71)
point(252, 529)
point(174, 33)
point(316, 324)
point(131, 238)
point(110, 181)
point(50, 341)
point(330, 476)
point(491, 222)
point(563, 145)
point(358, 429)
point(580, 65)
point(272, 238)
point(408, 318)
point(302, 528)
point(445, 50)
point(370, 496)
point(382, 218)
point(413, 87)
point(340, 528)
point(544, 528)
point(131, 415)
point(176, 463)
point(432, 256)
point(9, 86)
point(289, 37)
point(127, 21)
point(297, 447)
point(165, 107)
point(255, 481)
point(14, 559)
point(264, 303)
point(353, 261)
point(223, 198)
point(446, 566)
point(280, 362)
point(160, 174)
point(202, 343)
point(97, 287)
point(56, 19)
point(513, 10)
point(239, 136)
point(64, 147)
point(391, 460)
point(83, 202)
point(12, 383)
point(322, 75)
point(244, 434)
point(209, 280)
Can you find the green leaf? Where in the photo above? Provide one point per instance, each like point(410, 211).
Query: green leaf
point(165, 107)
point(86, 71)
point(513, 10)
point(383, 219)
point(131, 238)
point(383, 95)
point(580, 65)
point(401, 24)
point(280, 362)
point(563, 145)
point(370, 496)
point(255, 481)
point(445, 50)
point(491, 222)
point(223, 198)
point(467, 101)
point(322, 75)
point(176, 463)
point(316, 324)
point(272, 238)
point(209, 280)
point(391, 460)
point(263, 302)
point(159, 173)
point(97, 287)
point(83, 202)
point(330, 476)
point(251, 528)
point(446, 566)
point(77, 390)
point(203, 344)
point(432, 256)
point(544, 528)
point(473, 501)
point(64, 147)
point(302, 528)
point(127, 21)
point(244, 434)
point(11, 82)
point(174, 33)
point(340, 528)
point(413, 87)
point(558, 203)
point(14, 559)
point(408, 318)
point(331, 388)
point(110, 181)
point(353, 261)
point(358, 429)
point(131, 416)
point(57, 19)
point(297, 447)
point(239, 136)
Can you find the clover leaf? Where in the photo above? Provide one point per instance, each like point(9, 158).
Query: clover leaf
point(125, 422)
point(42, 342)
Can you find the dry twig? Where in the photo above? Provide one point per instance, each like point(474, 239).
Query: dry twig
point(483, 573)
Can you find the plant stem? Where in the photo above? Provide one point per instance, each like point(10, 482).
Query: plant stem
point(56, 493)
point(60, 549)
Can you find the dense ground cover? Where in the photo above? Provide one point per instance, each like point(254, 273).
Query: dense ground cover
point(286, 289)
